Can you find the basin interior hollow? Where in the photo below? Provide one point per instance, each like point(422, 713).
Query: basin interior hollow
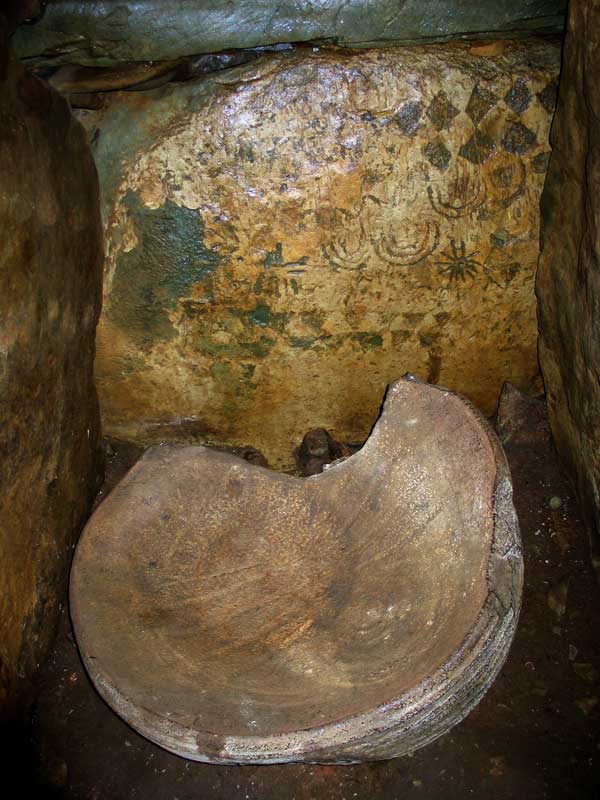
point(222, 597)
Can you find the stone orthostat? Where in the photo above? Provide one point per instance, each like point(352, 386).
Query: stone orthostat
point(568, 283)
point(285, 237)
point(50, 292)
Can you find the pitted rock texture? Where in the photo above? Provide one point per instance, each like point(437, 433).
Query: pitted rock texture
point(568, 284)
point(50, 293)
point(233, 614)
point(285, 238)
point(100, 33)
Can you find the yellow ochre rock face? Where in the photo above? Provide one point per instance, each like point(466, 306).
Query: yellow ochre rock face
point(285, 238)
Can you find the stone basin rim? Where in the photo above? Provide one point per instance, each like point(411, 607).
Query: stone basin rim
point(391, 728)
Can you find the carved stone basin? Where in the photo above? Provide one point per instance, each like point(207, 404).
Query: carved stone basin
point(233, 614)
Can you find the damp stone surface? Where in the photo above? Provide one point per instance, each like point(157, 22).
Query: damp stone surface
point(284, 238)
point(98, 33)
point(568, 283)
point(50, 293)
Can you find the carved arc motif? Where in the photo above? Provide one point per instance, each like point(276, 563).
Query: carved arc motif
point(461, 196)
point(505, 176)
point(351, 250)
point(396, 246)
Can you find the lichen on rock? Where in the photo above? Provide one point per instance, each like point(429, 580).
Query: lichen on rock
point(286, 237)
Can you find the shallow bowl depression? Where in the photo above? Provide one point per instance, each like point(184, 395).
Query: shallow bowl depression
point(238, 615)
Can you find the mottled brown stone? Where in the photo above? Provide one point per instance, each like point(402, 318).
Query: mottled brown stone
point(50, 291)
point(441, 111)
point(568, 283)
point(519, 96)
point(284, 238)
point(540, 162)
point(480, 102)
point(237, 615)
point(520, 419)
point(518, 138)
point(547, 96)
point(87, 79)
point(479, 148)
point(438, 154)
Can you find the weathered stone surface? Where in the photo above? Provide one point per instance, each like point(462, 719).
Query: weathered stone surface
point(284, 239)
point(88, 79)
point(143, 75)
point(520, 418)
point(50, 291)
point(234, 614)
point(98, 32)
point(568, 284)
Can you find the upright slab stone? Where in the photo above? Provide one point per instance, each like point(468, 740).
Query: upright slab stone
point(50, 292)
point(285, 238)
point(568, 284)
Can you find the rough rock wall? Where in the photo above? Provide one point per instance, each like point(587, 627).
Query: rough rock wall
point(101, 33)
point(287, 237)
point(568, 283)
point(50, 293)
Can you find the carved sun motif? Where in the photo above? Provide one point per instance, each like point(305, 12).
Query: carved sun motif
point(459, 265)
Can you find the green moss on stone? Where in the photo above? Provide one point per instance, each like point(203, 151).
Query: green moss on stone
point(262, 316)
point(303, 343)
point(274, 258)
point(170, 257)
point(367, 340)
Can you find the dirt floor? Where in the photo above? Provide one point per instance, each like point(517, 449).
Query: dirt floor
point(536, 734)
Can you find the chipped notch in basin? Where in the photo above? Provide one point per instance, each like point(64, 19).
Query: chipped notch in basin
point(237, 615)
